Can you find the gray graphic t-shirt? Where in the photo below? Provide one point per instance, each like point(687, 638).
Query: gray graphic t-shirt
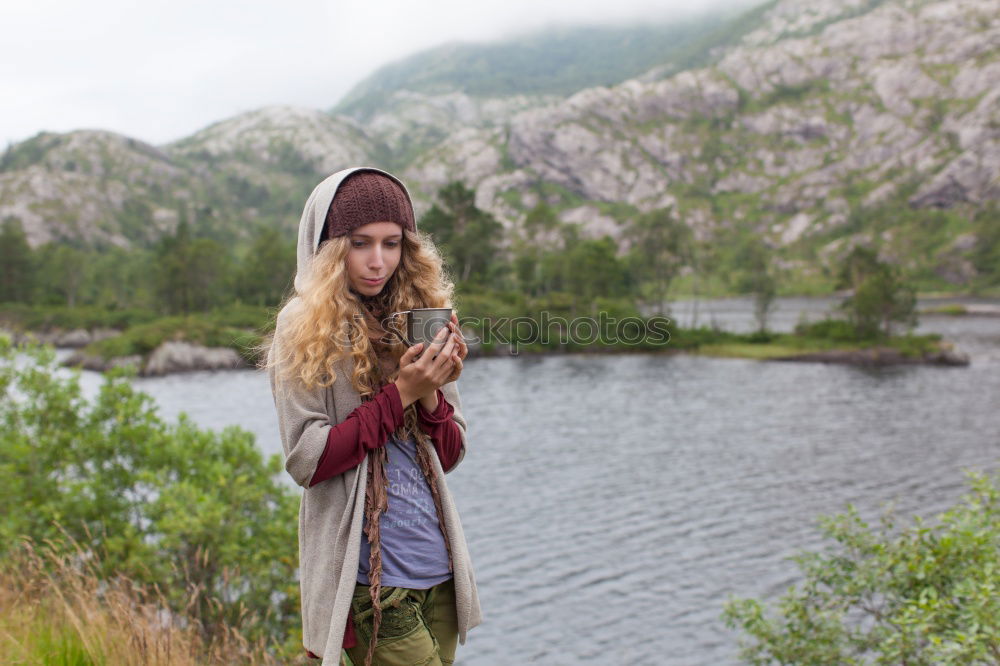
point(413, 550)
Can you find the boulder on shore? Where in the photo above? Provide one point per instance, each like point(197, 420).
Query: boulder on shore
point(168, 358)
point(179, 356)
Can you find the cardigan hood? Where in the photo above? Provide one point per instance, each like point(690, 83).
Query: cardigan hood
point(314, 217)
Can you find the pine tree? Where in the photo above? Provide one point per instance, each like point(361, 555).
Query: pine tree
point(879, 297)
point(17, 265)
point(467, 235)
point(661, 245)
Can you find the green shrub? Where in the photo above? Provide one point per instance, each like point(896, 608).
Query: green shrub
point(48, 317)
point(923, 594)
point(556, 303)
point(619, 308)
point(839, 330)
point(196, 329)
point(692, 338)
point(915, 345)
point(760, 337)
point(480, 304)
point(243, 316)
point(880, 297)
point(162, 503)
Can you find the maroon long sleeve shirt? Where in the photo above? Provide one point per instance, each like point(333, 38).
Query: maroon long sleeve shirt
point(369, 427)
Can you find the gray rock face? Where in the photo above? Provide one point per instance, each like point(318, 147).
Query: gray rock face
point(80, 179)
point(411, 122)
point(589, 145)
point(80, 186)
point(594, 223)
point(75, 338)
point(472, 156)
point(168, 358)
point(824, 96)
point(329, 142)
point(972, 176)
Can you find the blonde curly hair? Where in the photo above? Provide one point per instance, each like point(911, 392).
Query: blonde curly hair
point(332, 322)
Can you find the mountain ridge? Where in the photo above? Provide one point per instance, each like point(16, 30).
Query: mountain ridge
point(573, 57)
point(826, 125)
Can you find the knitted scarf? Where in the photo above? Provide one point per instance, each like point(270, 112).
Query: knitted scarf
point(376, 492)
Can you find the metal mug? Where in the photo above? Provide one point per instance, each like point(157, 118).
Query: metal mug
point(422, 324)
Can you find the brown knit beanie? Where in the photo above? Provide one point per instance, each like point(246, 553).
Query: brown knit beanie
point(365, 197)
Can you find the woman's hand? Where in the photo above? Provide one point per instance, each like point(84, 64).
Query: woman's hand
point(422, 377)
point(461, 351)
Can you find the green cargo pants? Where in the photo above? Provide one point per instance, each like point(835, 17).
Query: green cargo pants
point(419, 627)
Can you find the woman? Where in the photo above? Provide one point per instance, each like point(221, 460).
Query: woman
point(369, 428)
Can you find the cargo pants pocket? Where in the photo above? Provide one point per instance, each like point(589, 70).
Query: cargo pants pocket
point(400, 615)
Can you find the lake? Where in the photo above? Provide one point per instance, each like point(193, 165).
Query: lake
point(612, 503)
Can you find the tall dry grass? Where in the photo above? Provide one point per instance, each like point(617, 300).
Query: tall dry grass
point(56, 610)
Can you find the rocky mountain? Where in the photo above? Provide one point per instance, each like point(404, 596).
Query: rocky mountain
point(279, 139)
point(419, 102)
point(98, 188)
point(815, 125)
point(802, 133)
point(91, 188)
point(259, 166)
point(409, 123)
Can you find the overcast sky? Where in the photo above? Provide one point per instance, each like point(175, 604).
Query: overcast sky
point(159, 70)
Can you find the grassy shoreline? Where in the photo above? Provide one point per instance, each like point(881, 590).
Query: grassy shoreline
point(242, 328)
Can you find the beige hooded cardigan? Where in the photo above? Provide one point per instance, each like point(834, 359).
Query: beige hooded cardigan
point(331, 512)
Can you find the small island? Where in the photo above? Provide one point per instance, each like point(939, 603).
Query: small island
point(964, 309)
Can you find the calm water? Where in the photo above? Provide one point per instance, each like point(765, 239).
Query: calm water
point(612, 503)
